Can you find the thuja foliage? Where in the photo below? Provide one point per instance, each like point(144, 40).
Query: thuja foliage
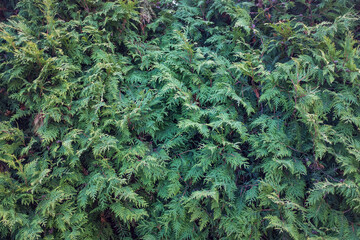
point(188, 119)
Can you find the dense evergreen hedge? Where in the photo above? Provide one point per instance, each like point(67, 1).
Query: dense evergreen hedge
point(179, 119)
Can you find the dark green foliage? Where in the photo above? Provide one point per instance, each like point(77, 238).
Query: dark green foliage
point(201, 119)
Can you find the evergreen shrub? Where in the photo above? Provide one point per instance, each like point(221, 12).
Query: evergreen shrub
point(179, 119)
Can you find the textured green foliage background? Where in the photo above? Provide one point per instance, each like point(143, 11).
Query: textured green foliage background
point(184, 119)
